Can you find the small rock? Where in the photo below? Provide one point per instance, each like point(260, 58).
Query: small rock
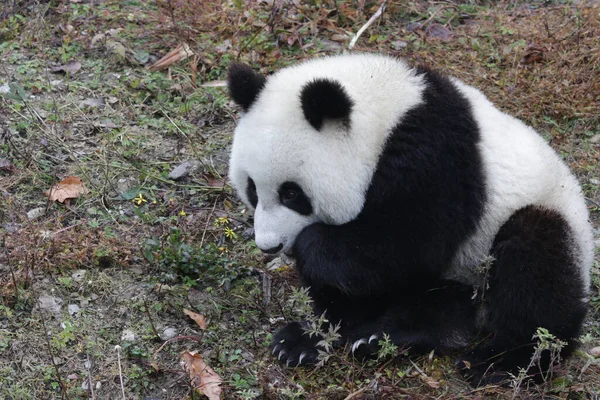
point(168, 333)
point(595, 351)
point(399, 44)
point(79, 275)
point(50, 303)
point(73, 309)
point(248, 233)
point(413, 26)
point(36, 213)
point(72, 377)
point(595, 138)
point(594, 181)
point(182, 170)
point(92, 103)
point(128, 336)
point(5, 88)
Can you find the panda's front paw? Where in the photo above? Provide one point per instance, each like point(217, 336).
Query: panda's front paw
point(293, 347)
point(365, 347)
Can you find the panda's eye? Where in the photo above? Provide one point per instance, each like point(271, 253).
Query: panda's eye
point(251, 193)
point(292, 196)
point(289, 195)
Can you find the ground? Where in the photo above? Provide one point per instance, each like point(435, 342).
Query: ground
point(93, 289)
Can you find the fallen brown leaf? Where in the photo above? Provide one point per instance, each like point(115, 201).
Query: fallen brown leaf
point(179, 53)
point(439, 31)
point(198, 318)
point(204, 379)
point(70, 188)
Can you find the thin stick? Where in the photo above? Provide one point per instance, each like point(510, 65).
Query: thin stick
point(90, 380)
point(118, 349)
point(369, 23)
point(63, 389)
point(354, 394)
point(173, 339)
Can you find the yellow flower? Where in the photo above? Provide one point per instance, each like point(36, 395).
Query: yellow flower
point(230, 234)
point(221, 221)
point(139, 200)
point(182, 213)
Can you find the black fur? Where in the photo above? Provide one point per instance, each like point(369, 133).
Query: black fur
point(382, 272)
point(534, 282)
point(324, 99)
point(244, 84)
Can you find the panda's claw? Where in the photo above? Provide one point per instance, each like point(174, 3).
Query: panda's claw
point(281, 353)
point(302, 355)
point(373, 337)
point(275, 349)
point(357, 344)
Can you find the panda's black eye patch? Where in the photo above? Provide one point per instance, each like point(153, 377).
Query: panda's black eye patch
point(292, 196)
point(251, 193)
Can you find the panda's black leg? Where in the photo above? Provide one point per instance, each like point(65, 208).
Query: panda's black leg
point(533, 282)
point(440, 318)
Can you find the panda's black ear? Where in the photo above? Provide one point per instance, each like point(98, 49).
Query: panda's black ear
point(324, 99)
point(244, 84)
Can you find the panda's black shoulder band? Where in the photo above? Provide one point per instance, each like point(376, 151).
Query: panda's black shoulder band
point(324, 99)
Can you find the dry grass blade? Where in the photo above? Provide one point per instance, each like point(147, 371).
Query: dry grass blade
point(204, 379)
point(179, 53)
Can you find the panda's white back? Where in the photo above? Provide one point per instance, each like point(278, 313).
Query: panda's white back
point(521, 169)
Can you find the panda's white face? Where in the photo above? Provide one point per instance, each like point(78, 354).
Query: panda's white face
point(308, 144)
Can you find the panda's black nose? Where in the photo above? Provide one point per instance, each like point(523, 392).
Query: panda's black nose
point(272, 250)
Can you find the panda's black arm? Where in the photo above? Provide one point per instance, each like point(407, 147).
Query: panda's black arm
point(342, 257)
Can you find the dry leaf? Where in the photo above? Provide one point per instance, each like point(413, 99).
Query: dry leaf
point(71, 67)
point(438, 31)
point(70, 188)
point(204, 379)
point(179, 53)
point(198, 318)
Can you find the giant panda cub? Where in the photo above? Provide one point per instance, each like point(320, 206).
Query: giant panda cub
point(413, 208)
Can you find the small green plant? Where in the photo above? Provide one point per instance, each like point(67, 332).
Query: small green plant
point(387, 348)
point(547, 351)
point(300, 305)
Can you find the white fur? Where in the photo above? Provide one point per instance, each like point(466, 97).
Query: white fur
point(274, 143)
point(520, 169)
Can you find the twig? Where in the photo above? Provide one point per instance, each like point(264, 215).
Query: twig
point(173, 339)
point(207, 222)
point(354, 394)
point(63, 388)
point(369, 23)
point(88, 366)
point(593, 202)
point(150, 318)
point(118, 349)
